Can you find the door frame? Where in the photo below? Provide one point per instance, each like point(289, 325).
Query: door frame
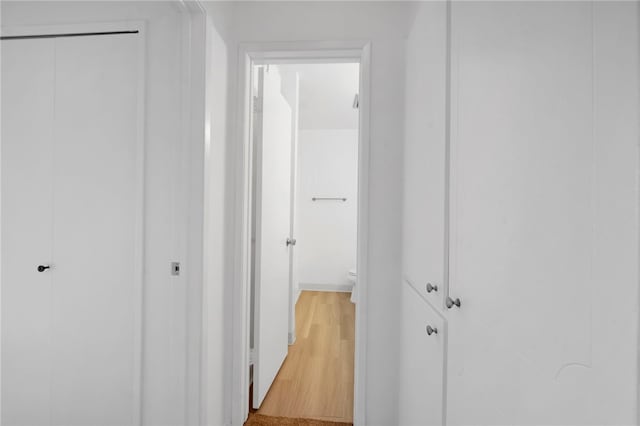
point(293, 52)
point(113, 26)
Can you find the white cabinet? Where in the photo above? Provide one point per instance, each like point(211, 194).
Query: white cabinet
point(72, 201)
point(422, 361)
point(540, 227)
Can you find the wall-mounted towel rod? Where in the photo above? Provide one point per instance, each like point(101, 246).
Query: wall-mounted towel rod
point(328, 199)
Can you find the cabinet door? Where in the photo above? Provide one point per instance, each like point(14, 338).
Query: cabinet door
point(533, 216)
point(424, 165)
point(422, 361)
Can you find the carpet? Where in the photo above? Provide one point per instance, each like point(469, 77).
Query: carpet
point(262, 420)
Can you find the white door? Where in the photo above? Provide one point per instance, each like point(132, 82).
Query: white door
point(273, 201)
point(529, 189)
point(27, 224)
point(71, 200)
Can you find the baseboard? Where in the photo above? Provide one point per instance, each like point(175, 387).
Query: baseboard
point(342, 288)
point(297, 296)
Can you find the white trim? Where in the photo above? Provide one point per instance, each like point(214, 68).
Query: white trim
point(138, 336)
point(449, 207)
point(362, 260)
point(316, 52)
point(140, 225)
point(195, 51)
point(340, 288)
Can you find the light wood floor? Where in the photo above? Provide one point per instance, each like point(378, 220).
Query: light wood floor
point(316, 379)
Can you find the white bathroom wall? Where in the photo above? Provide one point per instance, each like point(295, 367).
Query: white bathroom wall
point(327, 230)
point(166, 332)
point(325, 166)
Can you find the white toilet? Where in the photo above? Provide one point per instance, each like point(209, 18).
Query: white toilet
point(353, 279)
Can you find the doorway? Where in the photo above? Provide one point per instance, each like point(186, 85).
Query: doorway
point(304, 232)
point(296, 327)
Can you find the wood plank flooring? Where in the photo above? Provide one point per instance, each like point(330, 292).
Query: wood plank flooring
point(316, 379)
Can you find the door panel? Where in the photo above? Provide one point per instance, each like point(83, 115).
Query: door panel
point(273, 200)
point(422, 362)
point(95, 211)
point(522, 179)
point(424, 157)
point(27, 123)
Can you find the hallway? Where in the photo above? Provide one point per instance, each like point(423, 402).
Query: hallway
point(316, 379)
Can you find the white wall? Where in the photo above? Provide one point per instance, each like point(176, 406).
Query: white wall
point(384, 24)
point(326, 95)
point(327, 230)
point(166, 331)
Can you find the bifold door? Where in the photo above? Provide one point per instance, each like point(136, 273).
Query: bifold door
point(71, 230)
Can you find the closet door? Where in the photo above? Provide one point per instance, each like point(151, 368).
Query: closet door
point(522, 170)
point(26, 153)
point(72, 200)
point(532, 208)
point(97, 235)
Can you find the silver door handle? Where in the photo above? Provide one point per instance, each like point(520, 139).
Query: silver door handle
point(431, 288)
point(431, 330)
point(291, 242)
point(451, 302)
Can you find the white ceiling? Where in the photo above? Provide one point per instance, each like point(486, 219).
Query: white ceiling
point(326, 95)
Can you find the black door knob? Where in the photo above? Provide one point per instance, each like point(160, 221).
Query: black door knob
point(42, 268)
point(431, 330)
point(431, 288)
